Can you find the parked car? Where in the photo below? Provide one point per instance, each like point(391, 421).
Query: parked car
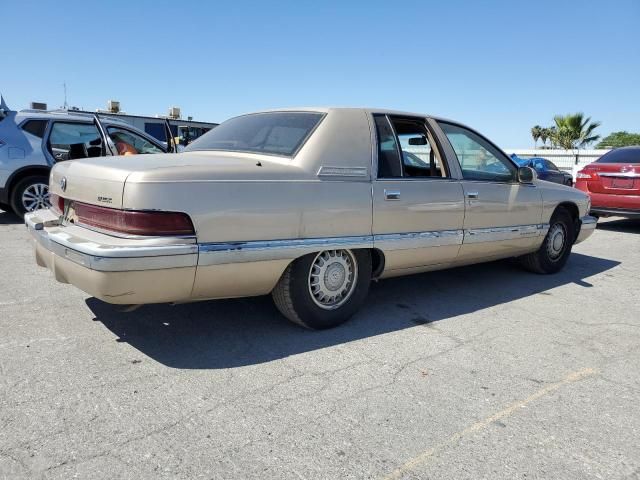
point(545, 169)
point(308, 205)
point(32, 141)
point(613, 183)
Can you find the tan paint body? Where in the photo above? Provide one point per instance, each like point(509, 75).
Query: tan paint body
point(244, 197)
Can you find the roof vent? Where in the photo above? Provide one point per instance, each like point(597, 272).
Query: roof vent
point(174, 112)
point(37, 106)
point(113, 106)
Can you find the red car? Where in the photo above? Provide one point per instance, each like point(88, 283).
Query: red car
point(613, 183)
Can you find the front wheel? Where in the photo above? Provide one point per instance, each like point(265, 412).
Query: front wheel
point(31, 193)
point(556, 247)
point(322, 290)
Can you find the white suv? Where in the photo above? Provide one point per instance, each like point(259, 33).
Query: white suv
point(32, 141)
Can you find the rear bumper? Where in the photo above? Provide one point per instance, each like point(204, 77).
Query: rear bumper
point(114, 270)
point(587, 227)
point(617, 212)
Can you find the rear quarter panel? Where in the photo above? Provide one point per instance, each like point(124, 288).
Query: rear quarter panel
point(228, 211)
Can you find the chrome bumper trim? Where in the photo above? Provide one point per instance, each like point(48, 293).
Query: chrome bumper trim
point(588, 225)
point(107, 258)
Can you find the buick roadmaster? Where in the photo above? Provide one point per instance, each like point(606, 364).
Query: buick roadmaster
point(307, 205)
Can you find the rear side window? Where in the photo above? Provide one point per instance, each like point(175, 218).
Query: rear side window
point(275, 133)
point(389, 165)
point(621, 155)
point(35, 127)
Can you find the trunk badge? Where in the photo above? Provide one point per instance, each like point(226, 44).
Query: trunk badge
point(63, 184)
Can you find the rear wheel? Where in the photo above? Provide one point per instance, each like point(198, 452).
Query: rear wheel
point(30, 193)
point(556, 247)
point(324, 289)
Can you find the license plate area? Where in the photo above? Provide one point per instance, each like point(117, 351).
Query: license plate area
point(69, 216)
point(625, 183)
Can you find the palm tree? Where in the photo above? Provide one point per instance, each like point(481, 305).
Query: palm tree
point(535, 134)
point(545, 133)
point(574, 131)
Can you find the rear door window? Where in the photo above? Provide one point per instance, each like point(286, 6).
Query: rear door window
point(68, 141)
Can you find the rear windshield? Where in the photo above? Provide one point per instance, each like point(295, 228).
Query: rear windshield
point(621, 155)
point(276, 133)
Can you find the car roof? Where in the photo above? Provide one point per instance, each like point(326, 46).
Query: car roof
point(370, 110)
point(66, 115)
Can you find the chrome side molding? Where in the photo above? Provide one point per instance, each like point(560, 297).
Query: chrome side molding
point(496, 234)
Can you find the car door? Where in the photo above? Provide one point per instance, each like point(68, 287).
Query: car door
point(502, 215)
point(418, 203)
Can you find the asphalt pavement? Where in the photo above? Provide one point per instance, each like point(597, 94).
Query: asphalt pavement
point(485, 371)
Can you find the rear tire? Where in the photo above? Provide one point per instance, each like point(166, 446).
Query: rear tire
point(556, 247)
point(30, 193)
point(322, 290)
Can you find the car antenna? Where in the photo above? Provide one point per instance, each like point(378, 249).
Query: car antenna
point(259, 164)
point(4, 109)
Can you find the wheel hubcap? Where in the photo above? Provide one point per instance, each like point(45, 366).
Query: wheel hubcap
point(35, 197)
point(557, 238)
point(332, 278)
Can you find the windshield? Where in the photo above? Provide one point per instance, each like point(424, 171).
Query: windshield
point(276, 133)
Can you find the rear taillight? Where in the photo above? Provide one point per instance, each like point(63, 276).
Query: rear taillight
point(134, 222)
point(586, 174)
point(57, 203)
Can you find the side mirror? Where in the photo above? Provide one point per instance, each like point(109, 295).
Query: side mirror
point(417, 141)
point(526, 175)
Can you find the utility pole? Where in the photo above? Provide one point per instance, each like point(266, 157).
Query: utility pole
point(64, 85)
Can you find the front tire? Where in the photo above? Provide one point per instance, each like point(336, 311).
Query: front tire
point(322, 290)
point(556, 247)
point(30, 193)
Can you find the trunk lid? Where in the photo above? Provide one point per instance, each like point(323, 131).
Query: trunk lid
point(614, 178)
point(101, 181)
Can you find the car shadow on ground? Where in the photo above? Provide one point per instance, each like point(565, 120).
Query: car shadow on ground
point(627, 225)
point(234, 333)
point(9, 218)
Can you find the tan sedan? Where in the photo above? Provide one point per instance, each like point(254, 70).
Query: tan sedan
point(309, 205)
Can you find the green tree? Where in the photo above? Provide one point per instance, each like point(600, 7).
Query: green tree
point(619, 139)
point(574, 131)
point(535, 134)
point(545, 134)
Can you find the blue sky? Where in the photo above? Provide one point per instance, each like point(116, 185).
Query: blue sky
point(500, 66)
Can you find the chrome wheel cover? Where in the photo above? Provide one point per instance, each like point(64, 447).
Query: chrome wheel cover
point(556, 241)
point(35, 197)
point(332, 278)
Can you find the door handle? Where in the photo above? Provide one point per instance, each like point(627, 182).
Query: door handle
point(472, 195)
point(391, 194)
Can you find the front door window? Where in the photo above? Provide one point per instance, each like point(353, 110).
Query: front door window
point(478, 158)
point(129, 143)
